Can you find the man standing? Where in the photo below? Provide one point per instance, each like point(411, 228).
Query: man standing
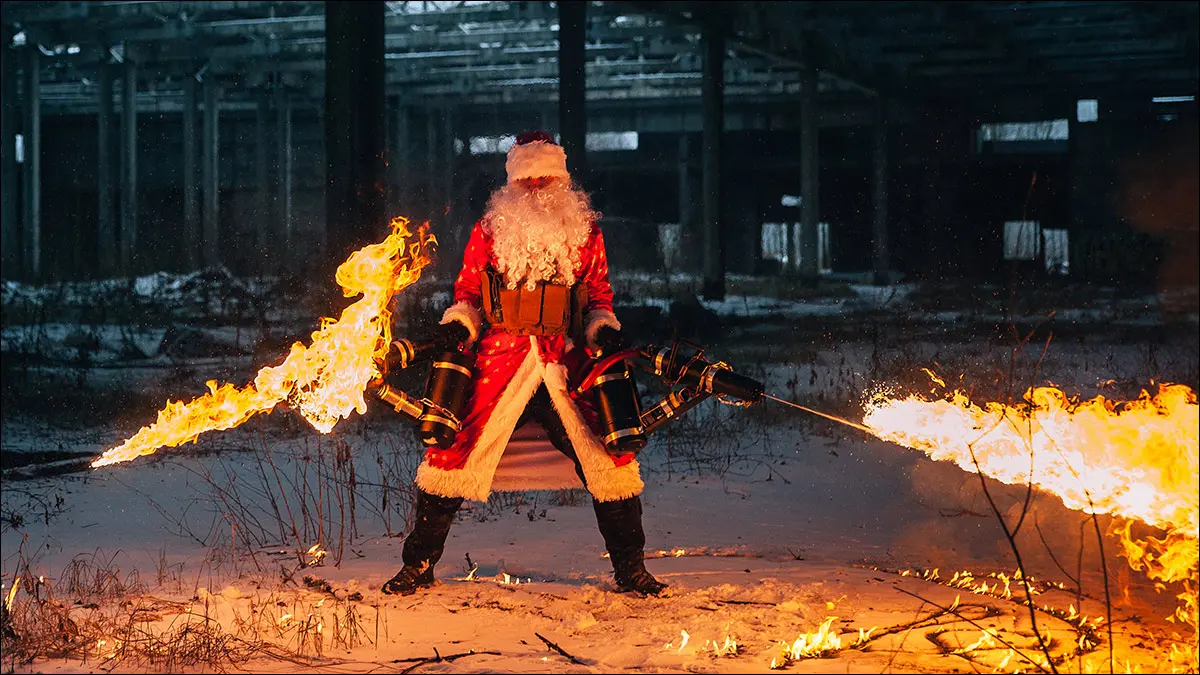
point(534, 283)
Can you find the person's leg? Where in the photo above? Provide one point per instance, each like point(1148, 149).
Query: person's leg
point(620, 522)
point(424, 545)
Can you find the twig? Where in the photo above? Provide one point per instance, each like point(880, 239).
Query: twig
point(558, 649)
point(438, 658)
point(743, 602)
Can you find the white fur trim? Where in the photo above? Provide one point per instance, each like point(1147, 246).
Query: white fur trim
point(467, 315)
point(595, 321)
point(536, 160)
point(474, 480)
point(606, 481)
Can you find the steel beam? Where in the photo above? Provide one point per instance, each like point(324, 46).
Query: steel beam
point(713, 96)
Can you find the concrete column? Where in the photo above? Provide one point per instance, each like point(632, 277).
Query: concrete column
point(210, 175)
point(932, 212)
point(129, 174)
point(401, 158)
point(191, 203)
point(572, 104)
point(685, 192)
point(810, 213)
point(283, 179)
point(106, 122)
point(10, 226)
point(879, 194)
point(712, 95)
point(262, 180)
point(33, 164)
point(432, 207)
point(354, 119)
point(447, 188)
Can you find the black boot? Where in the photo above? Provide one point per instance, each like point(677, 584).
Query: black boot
point(621, 526)
point(425, 544)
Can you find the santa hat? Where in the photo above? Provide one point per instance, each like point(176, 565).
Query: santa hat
point(536, 155)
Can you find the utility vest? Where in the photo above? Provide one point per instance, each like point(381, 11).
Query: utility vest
point(548, 309)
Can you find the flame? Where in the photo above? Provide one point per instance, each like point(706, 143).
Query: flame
point(325, 381)
point(820, 643)
point(12, 593)
point(986, 639)
point(728, 648)
point(1134, 459)
point(683, 644)
point(316, 555)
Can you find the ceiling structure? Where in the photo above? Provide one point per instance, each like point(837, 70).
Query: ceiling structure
point(637, 52)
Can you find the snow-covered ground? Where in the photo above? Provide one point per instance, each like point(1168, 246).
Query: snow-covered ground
point(766, 522)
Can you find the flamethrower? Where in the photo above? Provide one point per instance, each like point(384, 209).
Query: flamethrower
point(690, 379)
point(438, 414)
point(689, 376)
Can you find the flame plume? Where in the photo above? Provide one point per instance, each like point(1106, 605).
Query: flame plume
point(1134, 459)
point(325, 381)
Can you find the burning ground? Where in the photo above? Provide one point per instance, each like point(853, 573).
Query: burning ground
point(788, 540)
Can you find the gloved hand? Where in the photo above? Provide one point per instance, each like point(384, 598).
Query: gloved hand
point(610, 340)
point(449, 335)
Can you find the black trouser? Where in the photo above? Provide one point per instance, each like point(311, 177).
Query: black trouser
point(620, 521)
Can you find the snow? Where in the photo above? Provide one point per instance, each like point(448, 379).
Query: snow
point(782, 519)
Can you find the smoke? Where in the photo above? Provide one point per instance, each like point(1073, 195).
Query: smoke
point(1160, 199)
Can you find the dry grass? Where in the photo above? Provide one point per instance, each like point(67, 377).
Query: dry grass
point(98, 616)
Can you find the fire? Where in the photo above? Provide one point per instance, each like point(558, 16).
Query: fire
point(1133, 459)
point(729, 647)
point(822, 642)
point(316, 555)
point(12, 593)
point(671, 645)
point(325, 381)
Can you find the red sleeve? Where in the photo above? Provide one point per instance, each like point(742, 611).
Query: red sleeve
point(595, 274)
point(468, 288)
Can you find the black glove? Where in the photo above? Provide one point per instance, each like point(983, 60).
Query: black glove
point(449, 335)
point(610, 340)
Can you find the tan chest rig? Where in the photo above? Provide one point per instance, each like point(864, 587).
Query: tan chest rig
point(548, 309)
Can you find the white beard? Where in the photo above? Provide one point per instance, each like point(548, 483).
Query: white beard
point(538, 234)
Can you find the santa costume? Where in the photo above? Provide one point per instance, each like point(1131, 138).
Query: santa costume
point(539, 230)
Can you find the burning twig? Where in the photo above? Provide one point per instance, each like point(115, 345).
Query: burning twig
point(960, 615)
point(558, 649)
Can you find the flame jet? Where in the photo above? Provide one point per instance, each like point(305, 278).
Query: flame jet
point(324, 381)
point(1134, 459)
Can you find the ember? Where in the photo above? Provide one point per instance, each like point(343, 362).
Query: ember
point(1134, 459)
point(325, 381)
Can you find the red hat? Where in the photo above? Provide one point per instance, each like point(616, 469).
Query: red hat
point(536, 155)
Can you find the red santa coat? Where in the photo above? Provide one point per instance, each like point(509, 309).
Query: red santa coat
point(509, 370)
